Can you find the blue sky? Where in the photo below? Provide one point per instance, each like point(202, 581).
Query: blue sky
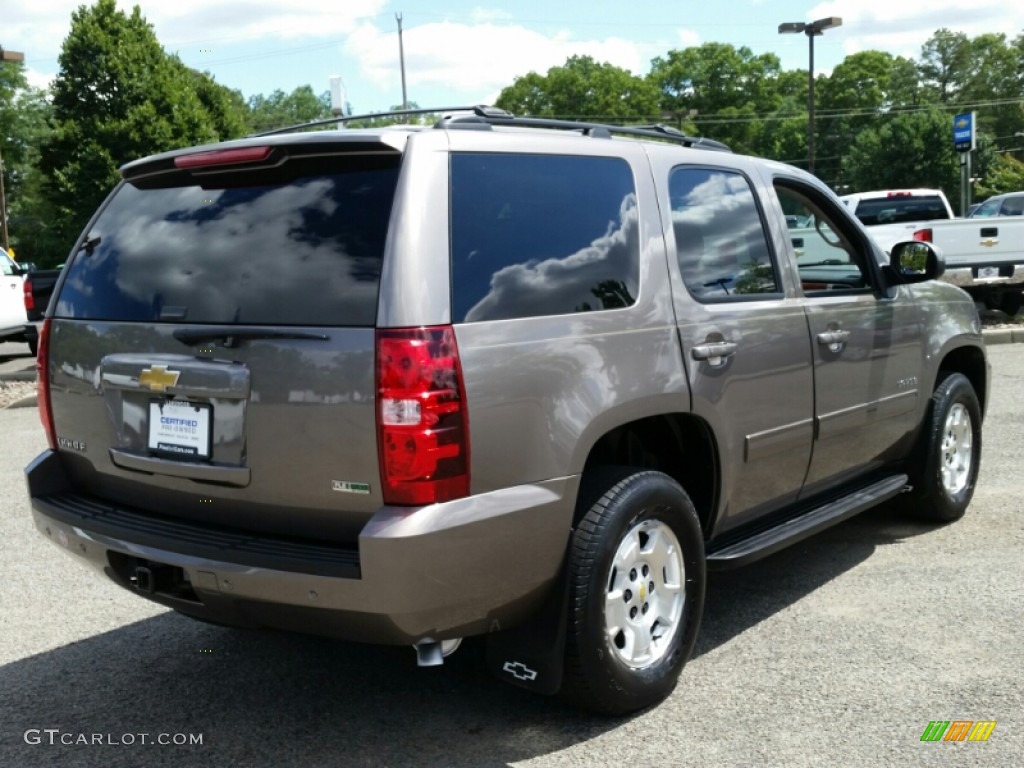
point(465, 51)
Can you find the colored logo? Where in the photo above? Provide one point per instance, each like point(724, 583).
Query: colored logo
point(158, 378)
point(963, 122)
point(958, 730)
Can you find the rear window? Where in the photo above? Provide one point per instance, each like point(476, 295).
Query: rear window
point(896, 210)
point(536, 235)
point(298, 247)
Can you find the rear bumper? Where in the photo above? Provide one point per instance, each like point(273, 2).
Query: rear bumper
point(1009, 274)
point(461, 568)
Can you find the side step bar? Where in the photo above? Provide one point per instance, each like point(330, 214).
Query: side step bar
point(767, 542)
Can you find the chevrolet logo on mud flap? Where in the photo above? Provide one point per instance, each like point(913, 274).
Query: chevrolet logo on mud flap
point(158, 378)
point(519, 671)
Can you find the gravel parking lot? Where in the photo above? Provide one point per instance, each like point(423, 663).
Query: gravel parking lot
point(836, 652)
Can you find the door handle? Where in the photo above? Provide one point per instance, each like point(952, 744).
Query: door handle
point(834, 340)
point(713, 352)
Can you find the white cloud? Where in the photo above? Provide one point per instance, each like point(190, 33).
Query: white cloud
point(477, 59)
point(688, 38)
point(900, 28)
point(38, 28)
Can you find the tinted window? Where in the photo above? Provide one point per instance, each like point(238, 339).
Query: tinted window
point(720, 241)
point(895, 210)
point(287, 249)
point(541, 235)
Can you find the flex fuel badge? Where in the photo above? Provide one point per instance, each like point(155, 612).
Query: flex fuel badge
point(345, 486)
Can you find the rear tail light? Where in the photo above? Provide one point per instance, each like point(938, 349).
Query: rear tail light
point(923, 235)
point(30, 302)
point(43, 384)
point(422, 435)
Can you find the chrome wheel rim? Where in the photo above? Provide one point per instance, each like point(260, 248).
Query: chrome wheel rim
point(957, 449)
point(644, 599)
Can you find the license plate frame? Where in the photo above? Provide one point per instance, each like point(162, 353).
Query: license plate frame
point(180, 429)
point(986, 273)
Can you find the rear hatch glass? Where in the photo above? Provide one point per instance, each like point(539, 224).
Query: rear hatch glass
point(225, 317)
point(897, 210)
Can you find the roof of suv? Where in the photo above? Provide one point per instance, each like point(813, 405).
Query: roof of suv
point(395, 136)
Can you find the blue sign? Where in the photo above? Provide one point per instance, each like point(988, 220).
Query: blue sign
point(963, 132)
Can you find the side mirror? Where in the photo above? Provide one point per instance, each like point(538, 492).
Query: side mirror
point(913, 261)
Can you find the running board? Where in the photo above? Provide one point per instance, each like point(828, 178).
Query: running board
point(791, 531)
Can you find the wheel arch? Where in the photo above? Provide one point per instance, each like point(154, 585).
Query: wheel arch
point(679, 444)
point(971, 362)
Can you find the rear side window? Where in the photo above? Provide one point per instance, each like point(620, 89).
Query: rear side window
point(282, 247)
point(535, 235)
point(898, 209)
point(720, 240)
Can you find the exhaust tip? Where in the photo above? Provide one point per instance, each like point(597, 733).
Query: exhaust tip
point(432, 653)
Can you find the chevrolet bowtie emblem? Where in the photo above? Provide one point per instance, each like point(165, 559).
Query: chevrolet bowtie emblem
point(158, 378)
point(989, 243)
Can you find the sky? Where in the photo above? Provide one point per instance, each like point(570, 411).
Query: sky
point(460, 52)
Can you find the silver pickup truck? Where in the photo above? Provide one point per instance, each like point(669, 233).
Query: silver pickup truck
point(504, 377)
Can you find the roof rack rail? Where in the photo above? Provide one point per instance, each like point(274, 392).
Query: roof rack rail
point(482, 114)
point(495, 116)
point(368, 116)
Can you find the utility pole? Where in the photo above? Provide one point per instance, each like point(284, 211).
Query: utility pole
point(401, 60)
point(5, 56)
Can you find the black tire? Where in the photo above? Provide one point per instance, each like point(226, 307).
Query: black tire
point(1011, 303)
point(639, 507)
point(945, 469)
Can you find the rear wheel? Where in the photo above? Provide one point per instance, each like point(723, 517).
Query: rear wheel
point(949, 454)
point(636, 580)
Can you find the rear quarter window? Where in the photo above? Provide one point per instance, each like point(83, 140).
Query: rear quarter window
point(298, 246)
point(536, 235)
point(896, 210)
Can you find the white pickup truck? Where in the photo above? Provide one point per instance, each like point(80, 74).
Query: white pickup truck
point(984, 256)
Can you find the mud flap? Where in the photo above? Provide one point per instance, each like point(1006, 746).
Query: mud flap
point(532, 655)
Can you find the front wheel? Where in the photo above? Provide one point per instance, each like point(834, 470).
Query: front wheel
point(949, 455)
point(636, 581)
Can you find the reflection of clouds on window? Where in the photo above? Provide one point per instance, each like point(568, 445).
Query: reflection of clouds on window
point(585, 280)
point(307, 252)
point(720, 240)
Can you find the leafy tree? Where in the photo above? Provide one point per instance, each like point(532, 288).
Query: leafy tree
point(24, 116)
point(906, 150)
point(944, 60)
point(118, 96)
point(727, 87)
point(1004, 174)
point(861, 89)
point(280, 109)
point(581, 87)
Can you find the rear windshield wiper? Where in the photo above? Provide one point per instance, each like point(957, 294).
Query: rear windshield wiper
point(89, 244)
point(826, 263)
point(230, 337)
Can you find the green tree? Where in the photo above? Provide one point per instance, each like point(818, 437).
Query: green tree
point(905, 150)
point(280, 109)
point(24, 125)
point(861, 90)
point(118, 96)
point(1004, 174)
point(726, 88)
point(581, 87)
point(944, 60)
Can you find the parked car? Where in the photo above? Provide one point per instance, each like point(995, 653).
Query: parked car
point(1008, 204)
point(38, 286)
point(12, 305)
point(504, 377)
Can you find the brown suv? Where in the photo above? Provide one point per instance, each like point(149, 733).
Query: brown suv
point(500, 376)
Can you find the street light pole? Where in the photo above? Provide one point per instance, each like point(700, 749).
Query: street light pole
point(812, 30)
point(5, 56)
